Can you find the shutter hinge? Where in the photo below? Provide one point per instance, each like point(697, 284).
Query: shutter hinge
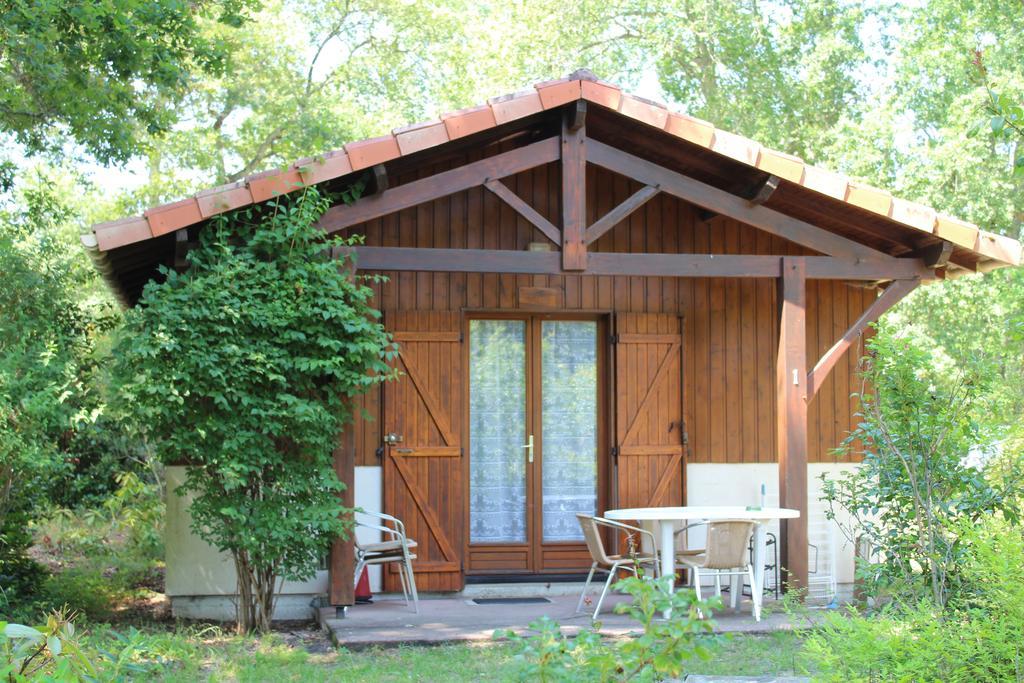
point(379, 453)
point(615, 454)
point(614, 338)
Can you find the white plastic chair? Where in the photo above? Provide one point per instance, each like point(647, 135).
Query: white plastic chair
point(611, 563)
point(396, 548)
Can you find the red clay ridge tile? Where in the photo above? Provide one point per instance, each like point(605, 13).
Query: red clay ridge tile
point(785, 166)
point(118, 233)
point(688, 128)
point(273, 184)
point(826, 182)
point(957, 231)
point(420, 136)
point(468, 121)
point(558, 92)
point(365, 153)
point(174, 216)
point(599, 92)
point(224, 198)
point(913, 214)
point(736, 147)
point(644, 111)
point(869, 198)
point(999, 247)
point(515, 106)
point(324, 167)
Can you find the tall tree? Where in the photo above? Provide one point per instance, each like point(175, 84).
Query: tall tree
point(100, 73)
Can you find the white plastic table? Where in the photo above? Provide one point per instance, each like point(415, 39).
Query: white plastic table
point(665, 518)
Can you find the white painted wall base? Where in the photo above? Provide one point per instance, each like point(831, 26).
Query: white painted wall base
point(195, 569)
point(369, 496)
point(293, 607)
point(740, 484)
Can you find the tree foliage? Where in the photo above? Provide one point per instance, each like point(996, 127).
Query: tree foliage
point(918, 487)
point(242, 368)
point(48, 363)
point(101, 74)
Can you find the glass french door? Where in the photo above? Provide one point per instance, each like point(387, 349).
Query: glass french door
point(534, 441)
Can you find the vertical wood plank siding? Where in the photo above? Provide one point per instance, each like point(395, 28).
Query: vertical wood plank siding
point(730, 330)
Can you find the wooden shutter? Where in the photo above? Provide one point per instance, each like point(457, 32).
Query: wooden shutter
point(423, 483)
point(648, 410)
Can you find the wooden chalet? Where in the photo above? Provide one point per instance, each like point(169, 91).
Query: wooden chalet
point(629, 289)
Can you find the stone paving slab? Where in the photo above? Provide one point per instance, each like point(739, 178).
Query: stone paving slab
point(390, 622)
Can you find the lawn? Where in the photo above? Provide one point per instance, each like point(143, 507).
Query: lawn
point(306, 655)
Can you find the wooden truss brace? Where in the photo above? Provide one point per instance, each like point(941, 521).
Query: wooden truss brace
point(727, 204)
point(525, 210)
point(892, 295)
point(621, 212)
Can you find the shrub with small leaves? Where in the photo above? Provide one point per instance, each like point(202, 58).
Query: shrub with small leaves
point(661, 651)
point(242, 367)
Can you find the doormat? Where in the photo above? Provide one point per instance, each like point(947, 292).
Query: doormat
point(511, 601)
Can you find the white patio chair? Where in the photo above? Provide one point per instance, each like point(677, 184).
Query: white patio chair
point(395, 548)
point(611, 563)
point(725, 554)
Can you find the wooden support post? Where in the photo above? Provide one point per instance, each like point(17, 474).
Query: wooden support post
point(574, 195)
point(342, 562)
point(791, 418)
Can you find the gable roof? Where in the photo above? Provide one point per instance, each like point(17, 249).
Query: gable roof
point(819, 192)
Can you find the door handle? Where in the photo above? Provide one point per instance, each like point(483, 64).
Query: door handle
point(529, 449)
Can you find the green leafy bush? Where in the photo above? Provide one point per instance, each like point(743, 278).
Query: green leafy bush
point(978, 637)
point(661, 651)
point(242, 368)
point(916, 488)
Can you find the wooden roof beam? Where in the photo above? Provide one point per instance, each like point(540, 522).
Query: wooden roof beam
point(936, 255)
point(440, 185)
point(728, 204)
point(614, 263)
point(764, 190)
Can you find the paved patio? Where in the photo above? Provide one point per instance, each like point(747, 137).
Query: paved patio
point(388, 621)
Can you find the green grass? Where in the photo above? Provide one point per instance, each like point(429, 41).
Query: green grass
point(196, 654)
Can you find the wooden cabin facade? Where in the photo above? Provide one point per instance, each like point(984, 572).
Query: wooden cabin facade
point(590, 294)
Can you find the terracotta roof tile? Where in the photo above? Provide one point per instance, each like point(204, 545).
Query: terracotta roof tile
point(556, 93)
point(869, 198)
point(785, 166)
point(264, 187)
point(644, 111)
point(224, 198)
point(999, 247)
point(826, 182)
point(736, 147)
point(468, 121)
point(911, 213)
point(420, 136)
point(957, 231)
point(170, 217)
point(327, 167)
point(123, 231)
point(547, 95)
point(599, 92)
point(688, 128)
point(515, 106)
point(365, 153)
